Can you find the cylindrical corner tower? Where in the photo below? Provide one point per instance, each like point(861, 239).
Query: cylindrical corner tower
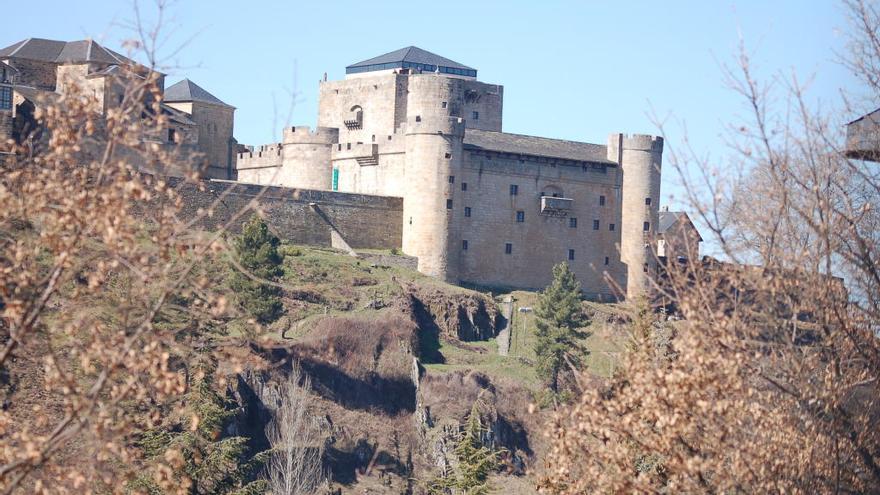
point(433, 155)
point(640, 158)
point(306, 157)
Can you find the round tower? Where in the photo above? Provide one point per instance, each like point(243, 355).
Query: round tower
point(433, 155)
point(306, 157)
point(640, 158)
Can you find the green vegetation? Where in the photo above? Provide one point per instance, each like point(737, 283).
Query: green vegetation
point(258, 263)
point(474, 462)
point(192, 446)
point(560, 318)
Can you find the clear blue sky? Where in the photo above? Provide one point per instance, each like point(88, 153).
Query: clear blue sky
point(574, 70)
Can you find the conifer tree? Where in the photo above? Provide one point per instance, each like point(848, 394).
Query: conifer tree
point(256, 250)
point(475, 462)
point(559, 320)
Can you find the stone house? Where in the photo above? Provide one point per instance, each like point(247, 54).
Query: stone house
point(200, 125)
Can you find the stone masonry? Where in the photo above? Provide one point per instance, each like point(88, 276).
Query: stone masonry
point(480, 206)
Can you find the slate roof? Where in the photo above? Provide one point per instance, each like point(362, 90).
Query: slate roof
point(669, 218)
point(61, 52)
point(414, 55)
point(187, 90)
point(536, 146)
point(176, 115)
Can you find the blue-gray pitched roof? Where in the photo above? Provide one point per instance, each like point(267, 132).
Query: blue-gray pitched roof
point(666, 219)
point(415, 57)
point(187, 90)
point(61, 52)
point(476, 139)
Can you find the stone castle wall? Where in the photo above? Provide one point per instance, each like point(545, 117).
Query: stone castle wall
point(363, 221)
point(541, 240)
point(215, 130)
point(34, 73)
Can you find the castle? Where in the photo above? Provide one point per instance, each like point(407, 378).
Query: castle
point(480, 206)
point(35, 72)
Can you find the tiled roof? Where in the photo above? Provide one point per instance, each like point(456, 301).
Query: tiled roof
point(187, 90)
point(414, 55)
point(536, 146)
point(61, 52)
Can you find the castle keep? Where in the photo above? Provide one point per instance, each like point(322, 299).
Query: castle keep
point(480, 205)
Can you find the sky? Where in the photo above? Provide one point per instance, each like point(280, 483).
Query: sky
point(575, 70)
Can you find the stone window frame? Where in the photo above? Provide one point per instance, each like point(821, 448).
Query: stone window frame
point(595, 224)
point(520, 216)
point(607, 260)
point(646, 226)
point(514, 189)
point(648, 201)
point(464, 245)
point(602, 200)
point(448, 204)
point(572, 222)
point(571, 255)
point(467, 211)
point(508, 248)
point(611, 227)
point(464, 186)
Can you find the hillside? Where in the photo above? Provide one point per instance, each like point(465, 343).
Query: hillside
point(397, 359)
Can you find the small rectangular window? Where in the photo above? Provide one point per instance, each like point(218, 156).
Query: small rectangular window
point(467, 211)
point(595, 225)
point(5, 98)
point(508, 248)
point(172, 136)
point(520, 216)
point(647, 201)
point(464, 245)
point(573, 223)
point(514, 189)
point(645, 268)
point(601, 200)
point(646, 226)
point(443, 104)
point(448, 204)
point(611, 227)
point(452, 179)
point(476, 115)
point(464, 186)
point(606, 260)
point(448, 155)
point(571, 255)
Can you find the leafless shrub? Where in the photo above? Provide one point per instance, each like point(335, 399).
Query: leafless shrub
point(296, 463)
point(770, 383)
point(104, 291)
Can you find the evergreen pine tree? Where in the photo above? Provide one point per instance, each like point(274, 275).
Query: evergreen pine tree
point(559, 320)
point(474, 462)
point(256, 250)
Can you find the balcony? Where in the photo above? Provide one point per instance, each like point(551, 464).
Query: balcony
point(557, 207)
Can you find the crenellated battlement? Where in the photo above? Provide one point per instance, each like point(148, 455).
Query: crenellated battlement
point(438, 125)
point(642, 142)
point(304, 134)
